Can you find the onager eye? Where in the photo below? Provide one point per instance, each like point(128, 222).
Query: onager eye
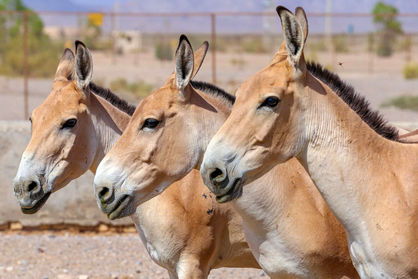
point(70, 123)
point(150, 123)
point(270, 102)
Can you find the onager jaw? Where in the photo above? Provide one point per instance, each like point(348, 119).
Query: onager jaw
point(217, 178)
point(31, 195)
point(116, 206)
point(111, 201)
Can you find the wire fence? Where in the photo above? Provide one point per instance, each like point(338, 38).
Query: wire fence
point(133, 52)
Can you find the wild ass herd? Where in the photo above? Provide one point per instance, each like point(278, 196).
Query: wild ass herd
point(305, 179)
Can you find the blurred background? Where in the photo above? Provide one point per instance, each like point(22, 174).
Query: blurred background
point(371, 44)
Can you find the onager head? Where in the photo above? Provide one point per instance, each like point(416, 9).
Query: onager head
point(163, 129)
point(266, 123)
point(58, 151)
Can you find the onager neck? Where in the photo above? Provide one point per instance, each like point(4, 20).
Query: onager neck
point(368, 181)
point(210, 113)
point(108, 123)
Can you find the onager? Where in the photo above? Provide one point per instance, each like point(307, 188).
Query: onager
point(291, 231)
point(184, 231)
point(367, 176)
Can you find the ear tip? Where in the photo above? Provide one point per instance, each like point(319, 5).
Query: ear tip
point(79, 43)
point(300, 10)
point(68, 53)
point(183, 38)
point(280, 9)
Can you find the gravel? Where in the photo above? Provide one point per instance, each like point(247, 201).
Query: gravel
point(64, 255)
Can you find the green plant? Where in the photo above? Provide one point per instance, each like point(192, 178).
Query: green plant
point(163, 51)
point(403, 102)
point(385, 16)
point(410, 71)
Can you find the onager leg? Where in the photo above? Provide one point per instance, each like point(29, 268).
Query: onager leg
point(190, 268)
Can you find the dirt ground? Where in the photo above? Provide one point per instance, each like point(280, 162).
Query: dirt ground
point(64, 255)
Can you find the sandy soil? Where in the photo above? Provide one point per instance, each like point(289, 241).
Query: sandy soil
point(80, 256)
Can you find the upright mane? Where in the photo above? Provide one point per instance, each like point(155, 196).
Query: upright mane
point(112, 98)
point(213, 90)
point(356, 102)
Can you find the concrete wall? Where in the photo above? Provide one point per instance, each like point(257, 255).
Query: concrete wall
point(74, 204)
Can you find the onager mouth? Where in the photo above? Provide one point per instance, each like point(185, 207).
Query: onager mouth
point(234, 192)
point(38, 205)
point(118, 209)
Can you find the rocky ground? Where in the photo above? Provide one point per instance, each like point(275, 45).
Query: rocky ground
point(66, 255)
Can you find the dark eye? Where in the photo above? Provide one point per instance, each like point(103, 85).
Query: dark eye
point(150, 123)
point(270, 102)
point(70, 123)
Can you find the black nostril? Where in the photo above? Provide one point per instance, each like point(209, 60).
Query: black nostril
point(217, 172)
point(104, 193)
point(32, 186)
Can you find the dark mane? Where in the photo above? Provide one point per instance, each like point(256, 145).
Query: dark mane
point(213, 90)
point(356, 102)
point(112, 98)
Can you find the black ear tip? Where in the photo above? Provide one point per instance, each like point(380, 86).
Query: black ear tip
point(78, 44)
point(281, 9)
point(183, 38)
point(206, 44)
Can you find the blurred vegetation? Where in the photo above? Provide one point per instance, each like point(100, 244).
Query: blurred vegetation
point(403, 102)
point(238, 62)
point(405, 44)
point(140, 88)
point(385, 16)
point(92, 33)
point(340, 43)
point(317, 45)
point(43, 53)
point(410, 71)
point(370, 42)
point(253, 45)
point(163, 51)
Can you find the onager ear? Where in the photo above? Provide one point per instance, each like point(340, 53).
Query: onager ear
point(303, 20)
point(65, 68)
point(83, 65)
point(184, 63)
point(199, 56)
point(293, 34)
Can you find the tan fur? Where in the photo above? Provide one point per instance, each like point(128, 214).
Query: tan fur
point(143, 160)
point(369, 182)
point(187, 240)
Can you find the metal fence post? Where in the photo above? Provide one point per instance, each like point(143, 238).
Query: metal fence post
point(25, 65)
point(213, 31)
